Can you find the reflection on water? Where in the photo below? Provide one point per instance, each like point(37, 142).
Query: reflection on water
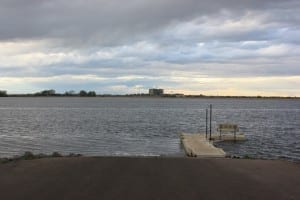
point(144, 126)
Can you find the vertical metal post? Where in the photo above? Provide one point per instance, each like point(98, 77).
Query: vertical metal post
point(210, 109)
point(234, 135)
point(206, 122)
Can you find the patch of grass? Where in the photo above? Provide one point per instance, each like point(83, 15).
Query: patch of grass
point(74, 155)
point(239, 157)
point(30, 156)
point(56, 154)
point(5, 160)
point(247, 157)
point(233, 156)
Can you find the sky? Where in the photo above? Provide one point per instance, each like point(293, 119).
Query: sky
point(210, 47)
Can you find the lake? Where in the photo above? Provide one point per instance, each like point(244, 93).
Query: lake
point(144, 126)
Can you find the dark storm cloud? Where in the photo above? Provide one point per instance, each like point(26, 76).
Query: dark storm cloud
point(109, 21)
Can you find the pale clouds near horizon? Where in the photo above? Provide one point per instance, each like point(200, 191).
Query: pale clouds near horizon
point(226, 47)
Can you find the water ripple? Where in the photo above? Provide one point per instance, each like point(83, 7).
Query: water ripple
point(137, 126)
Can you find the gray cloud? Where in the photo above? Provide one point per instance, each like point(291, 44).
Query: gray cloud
point(119, 45)
point(112, 21)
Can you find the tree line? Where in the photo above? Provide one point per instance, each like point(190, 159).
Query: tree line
point(3, 93)
point(51, 92)
point(82, 93)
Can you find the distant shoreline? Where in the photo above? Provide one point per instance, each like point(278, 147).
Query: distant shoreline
point(84, 93)
point(163, 96)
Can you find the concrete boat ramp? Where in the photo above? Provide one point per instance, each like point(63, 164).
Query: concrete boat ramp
point(197, 145)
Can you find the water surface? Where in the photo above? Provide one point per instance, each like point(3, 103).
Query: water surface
point(144, 126)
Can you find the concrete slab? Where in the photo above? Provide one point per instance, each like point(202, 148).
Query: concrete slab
point(113, 178)
point(196, 145)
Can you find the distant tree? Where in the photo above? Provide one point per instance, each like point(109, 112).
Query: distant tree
point(46, 93)
point(3, 93)
point(51, 92)
point(83, 93)
point(91, 94)
point(70, 93)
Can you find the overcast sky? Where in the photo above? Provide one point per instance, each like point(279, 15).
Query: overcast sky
point(219, 47)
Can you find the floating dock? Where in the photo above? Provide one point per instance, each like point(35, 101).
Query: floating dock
point(197, 145)
point(228, 137)
point(201, 145)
